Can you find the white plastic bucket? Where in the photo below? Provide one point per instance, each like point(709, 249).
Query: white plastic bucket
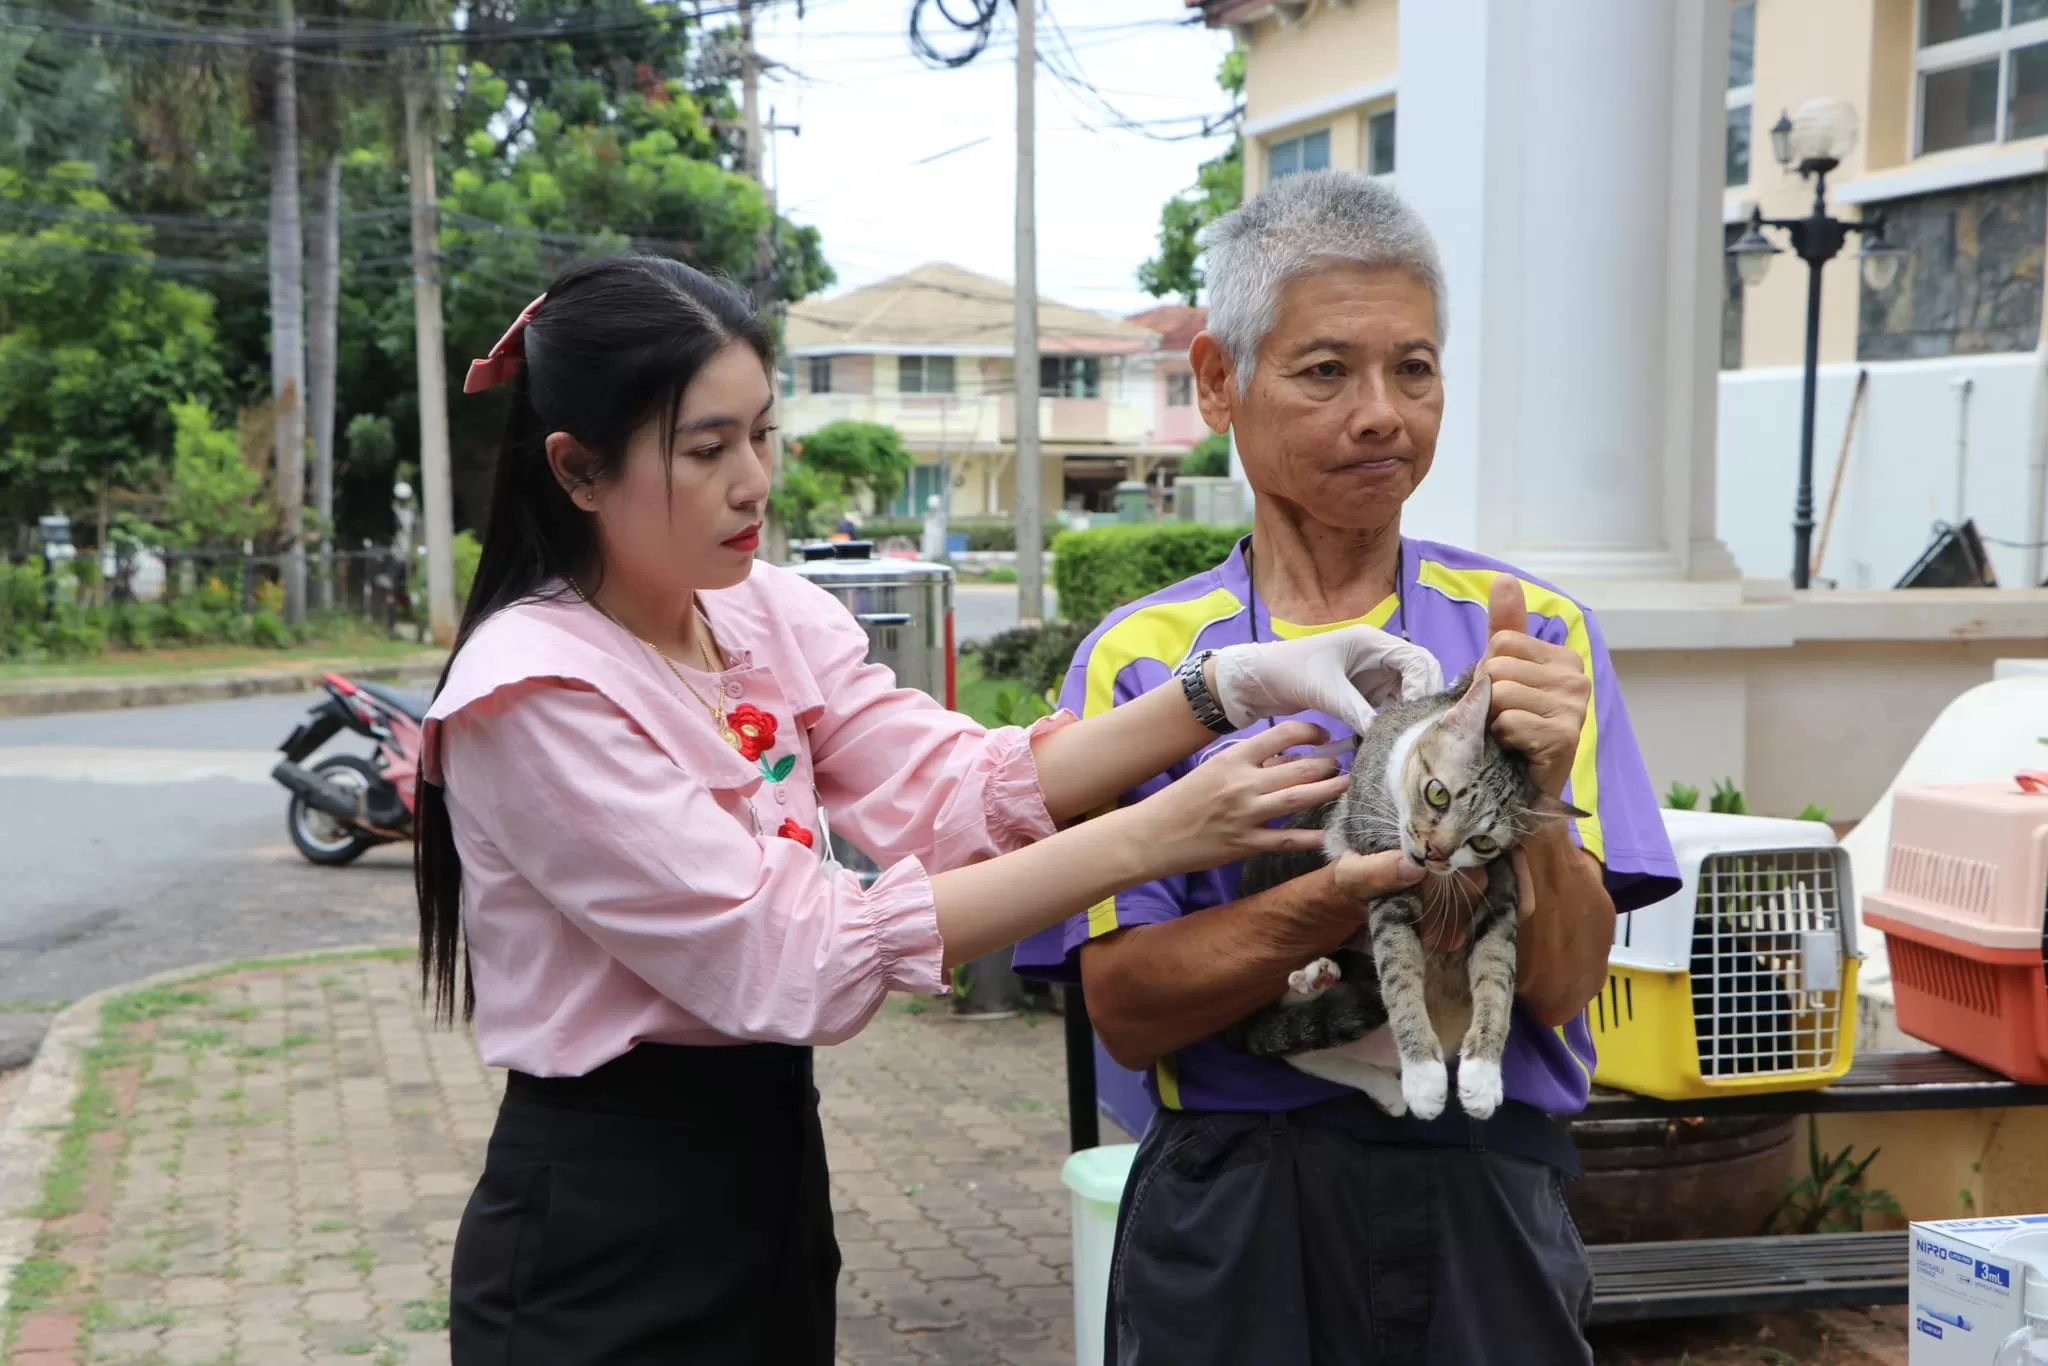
point(1096, 1177)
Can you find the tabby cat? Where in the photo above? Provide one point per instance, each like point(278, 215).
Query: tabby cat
point(1431, 780)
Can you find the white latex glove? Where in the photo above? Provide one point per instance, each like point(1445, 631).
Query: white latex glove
point(1347, 674)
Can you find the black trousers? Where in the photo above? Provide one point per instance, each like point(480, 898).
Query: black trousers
point(668, 1209)
point(1306, 1239)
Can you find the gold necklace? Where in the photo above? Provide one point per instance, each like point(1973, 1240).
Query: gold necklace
point(717, 709)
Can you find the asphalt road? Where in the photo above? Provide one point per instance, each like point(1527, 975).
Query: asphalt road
point(137, 842)
point(980, 610)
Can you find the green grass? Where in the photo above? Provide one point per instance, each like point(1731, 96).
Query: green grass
point(277, 1050)
point(179, 663)
point(427, 1316)
point(37, 1281)
point(152, 1003)
point(975, 694)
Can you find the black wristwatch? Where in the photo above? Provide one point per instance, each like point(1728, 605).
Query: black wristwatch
point(1194, 683)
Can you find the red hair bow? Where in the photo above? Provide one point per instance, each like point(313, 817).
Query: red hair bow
point(505, 358)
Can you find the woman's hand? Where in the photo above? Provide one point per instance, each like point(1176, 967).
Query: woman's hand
point(1220, 812)
point(1347, 674)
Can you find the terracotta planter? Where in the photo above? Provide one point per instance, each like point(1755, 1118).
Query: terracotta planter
point(1652, 1180)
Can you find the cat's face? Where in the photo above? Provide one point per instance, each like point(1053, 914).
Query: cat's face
point(1458, 805)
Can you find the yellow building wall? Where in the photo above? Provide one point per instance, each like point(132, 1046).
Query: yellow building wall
point(1805, 49)
point(1333, 50)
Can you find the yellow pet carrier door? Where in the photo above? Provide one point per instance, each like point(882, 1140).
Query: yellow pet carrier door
point(1745, 980)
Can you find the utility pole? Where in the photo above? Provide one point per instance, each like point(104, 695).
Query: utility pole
point(437, 490)
point(288, 318)
point(1030, 531)
point(753, 154)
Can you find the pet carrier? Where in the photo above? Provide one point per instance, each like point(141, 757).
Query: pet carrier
point(1743, 981)
point(1964, 912)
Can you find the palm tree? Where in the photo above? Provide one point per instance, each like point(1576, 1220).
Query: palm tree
point(326, 106)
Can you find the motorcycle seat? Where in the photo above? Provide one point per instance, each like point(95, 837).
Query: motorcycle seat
point(411, 704)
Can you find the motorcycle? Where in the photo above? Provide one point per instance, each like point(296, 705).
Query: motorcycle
point(346, 804)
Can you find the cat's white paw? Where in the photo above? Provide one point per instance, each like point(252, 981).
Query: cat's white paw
point(1479, 1088)
point(1425, 1085)
point(1305, 984)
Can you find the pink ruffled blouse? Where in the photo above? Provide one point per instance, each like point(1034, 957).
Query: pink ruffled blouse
point(628, 876)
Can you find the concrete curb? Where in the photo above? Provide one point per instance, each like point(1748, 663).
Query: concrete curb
point(165, 691)
point(32, 1130)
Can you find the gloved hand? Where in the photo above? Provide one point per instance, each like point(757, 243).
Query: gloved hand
point(1347, 674)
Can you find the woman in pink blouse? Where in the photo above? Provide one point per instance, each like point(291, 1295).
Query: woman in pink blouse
point(628, 771)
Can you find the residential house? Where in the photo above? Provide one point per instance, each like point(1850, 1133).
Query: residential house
point(1176, 421)
point(930, 353)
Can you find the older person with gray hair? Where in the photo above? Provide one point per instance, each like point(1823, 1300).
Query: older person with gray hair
point(1272, 1216)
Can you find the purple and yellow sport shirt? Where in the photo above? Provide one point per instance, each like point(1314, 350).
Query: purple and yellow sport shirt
point(1441, 605)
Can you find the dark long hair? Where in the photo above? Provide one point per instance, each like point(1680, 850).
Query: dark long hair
point(616, 342)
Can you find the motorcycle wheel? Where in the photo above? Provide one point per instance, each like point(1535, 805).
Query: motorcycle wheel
point(319, 836)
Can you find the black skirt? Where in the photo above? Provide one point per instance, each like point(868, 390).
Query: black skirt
point(669, 1209)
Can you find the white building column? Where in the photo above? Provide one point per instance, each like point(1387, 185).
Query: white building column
point(1568, 157)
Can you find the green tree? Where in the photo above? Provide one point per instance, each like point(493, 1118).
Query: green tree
point(619, 159)
point(213, 496)
point(861, 455)
point(1209, 459)
point(1218, 188)
point(94, 348)
point(827, 467)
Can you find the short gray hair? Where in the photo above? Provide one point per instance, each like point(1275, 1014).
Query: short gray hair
point(1294, 225)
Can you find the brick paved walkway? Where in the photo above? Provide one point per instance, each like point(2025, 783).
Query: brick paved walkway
point(267, 1167)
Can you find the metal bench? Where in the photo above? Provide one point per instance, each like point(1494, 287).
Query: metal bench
point(1635, 1281)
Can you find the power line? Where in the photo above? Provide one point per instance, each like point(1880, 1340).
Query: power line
point(353, 35)
point(978, 24)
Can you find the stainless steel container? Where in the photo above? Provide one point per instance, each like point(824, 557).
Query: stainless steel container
point(906, 607)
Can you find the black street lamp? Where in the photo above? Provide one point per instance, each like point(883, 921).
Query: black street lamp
point(1813, 144)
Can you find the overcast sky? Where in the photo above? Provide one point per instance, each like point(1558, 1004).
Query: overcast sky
point(870, 113)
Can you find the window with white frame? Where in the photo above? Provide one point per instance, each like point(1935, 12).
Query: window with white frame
point(821, 374)
point(1980, 73)
point(1379, 143)
point(1180, 390)
point(924, 374)
point(1309, 152)
point(1741, 91)
point(785, 374)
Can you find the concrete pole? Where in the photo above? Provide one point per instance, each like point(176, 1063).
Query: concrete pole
point(436, 480)
point(1030, 529)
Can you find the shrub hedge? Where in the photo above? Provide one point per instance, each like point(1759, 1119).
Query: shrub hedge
point(1098, 570)
point(77, 628)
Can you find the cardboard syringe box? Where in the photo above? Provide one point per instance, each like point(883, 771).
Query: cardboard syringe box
point(1968, 1284)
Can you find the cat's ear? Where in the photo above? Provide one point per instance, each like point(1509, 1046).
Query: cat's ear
point(1557, 809)
point(1466, 720)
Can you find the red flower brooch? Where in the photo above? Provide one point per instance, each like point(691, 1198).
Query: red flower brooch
point(792, 831)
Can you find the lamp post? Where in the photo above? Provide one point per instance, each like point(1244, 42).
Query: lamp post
point(1813, 143)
